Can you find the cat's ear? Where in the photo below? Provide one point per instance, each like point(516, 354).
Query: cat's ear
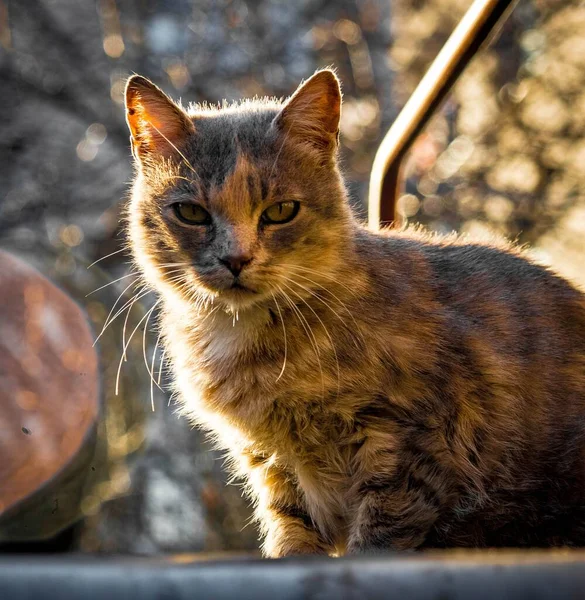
point(158, 127)
point(312, 113)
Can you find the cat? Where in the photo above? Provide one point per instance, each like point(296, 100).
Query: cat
point(386, 390)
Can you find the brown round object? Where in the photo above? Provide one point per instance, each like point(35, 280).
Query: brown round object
point(49, 390)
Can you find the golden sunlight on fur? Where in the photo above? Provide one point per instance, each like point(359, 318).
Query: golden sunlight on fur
point(376, 391)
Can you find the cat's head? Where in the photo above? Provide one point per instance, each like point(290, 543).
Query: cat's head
point(234, 202)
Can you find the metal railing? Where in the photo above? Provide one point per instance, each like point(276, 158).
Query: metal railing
point(477, 28)
point(488, 575)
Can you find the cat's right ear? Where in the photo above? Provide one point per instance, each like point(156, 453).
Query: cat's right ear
point(158, 126)
point(313, 112)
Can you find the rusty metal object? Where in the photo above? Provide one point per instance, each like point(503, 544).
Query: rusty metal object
point(477, 28)
point(49, 399)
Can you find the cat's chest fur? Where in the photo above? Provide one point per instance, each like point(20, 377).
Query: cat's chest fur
point(233, 383)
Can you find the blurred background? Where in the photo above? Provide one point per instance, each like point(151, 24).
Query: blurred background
point(506, 154)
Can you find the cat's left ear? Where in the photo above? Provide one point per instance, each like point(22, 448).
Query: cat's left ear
point(158, 126)
point(312, 114)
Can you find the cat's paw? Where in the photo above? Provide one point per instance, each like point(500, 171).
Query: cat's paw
point(360, 549)
point(283, 546)
point(381, 542)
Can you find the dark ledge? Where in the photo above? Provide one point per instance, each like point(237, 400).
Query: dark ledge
point(433, 576)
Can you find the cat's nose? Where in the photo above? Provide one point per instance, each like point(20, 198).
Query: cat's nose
point(235, 263)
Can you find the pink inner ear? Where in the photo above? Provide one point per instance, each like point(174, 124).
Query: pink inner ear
point(319, 102)
point(158, 126)
point(314, 110)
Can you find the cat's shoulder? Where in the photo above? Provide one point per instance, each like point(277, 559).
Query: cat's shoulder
point(417, 237)
point(452, 256)
point(414, 242)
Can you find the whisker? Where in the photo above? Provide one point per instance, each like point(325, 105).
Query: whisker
point(212, 311)
point(312, 339)
point(180, 278)
point(175, 148)
point(326, 333)
point(160, 367)
point(181, 264)
point(151, 371)
point(95, 262)
point(341, 303)
point(320, 274)
point(285, 341)
point(180, 281)
point(141, 291)
point(109, 318)
point(136, 298)
point(133, 274)
point(316, 295)
point(171, 398)
point(146, 316)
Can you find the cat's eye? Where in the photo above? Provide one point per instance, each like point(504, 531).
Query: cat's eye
point(192, 214)
point(281, 212)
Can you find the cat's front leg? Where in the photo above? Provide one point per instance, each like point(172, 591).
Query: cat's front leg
point(396, 502)
point(290, 532)
point(287, 527)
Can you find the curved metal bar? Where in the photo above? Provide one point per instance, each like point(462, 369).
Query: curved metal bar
point(478, 27)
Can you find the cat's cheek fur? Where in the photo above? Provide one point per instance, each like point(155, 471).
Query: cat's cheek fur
point(138, 235)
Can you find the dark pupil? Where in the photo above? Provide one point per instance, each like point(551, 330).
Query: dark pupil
point(281, 211)
point(192, 212)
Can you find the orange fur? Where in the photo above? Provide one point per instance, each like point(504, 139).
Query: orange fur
point(375, 390)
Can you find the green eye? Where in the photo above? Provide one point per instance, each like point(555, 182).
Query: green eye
point(192, 214)
point(281, 212)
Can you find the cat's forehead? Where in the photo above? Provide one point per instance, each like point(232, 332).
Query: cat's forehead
point(222, 136)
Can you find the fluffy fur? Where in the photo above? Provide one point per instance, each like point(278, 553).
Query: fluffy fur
point(376, 390)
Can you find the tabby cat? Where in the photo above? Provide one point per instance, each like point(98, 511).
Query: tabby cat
point(377, 390)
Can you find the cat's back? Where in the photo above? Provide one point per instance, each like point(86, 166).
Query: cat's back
point(473, 282)
point(483, 311)
point(497, 344)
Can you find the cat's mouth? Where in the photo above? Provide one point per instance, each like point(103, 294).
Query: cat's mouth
point(236, 285)
point(231, 290)
point(239, 296)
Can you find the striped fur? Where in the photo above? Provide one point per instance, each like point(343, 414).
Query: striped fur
point(377, 391)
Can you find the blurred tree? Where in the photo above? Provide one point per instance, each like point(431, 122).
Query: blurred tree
point(505, 153)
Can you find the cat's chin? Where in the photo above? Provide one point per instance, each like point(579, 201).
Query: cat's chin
point(239, 298)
